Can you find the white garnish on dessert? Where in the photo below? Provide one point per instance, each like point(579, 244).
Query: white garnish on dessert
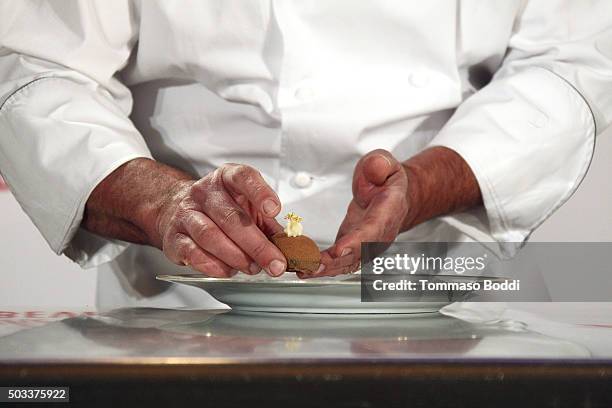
point(294, 227)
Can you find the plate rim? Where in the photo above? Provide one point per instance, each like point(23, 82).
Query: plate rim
point(193, 277)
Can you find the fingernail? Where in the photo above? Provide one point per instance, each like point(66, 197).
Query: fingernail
point(321, 269)
point(270, 207)
point(276, 268)
point(346, 251)
point(386, 158)
point(254, 268)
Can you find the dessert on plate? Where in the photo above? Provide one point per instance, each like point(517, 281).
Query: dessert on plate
point(302, 253)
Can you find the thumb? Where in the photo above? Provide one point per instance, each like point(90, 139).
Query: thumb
point(377, 168)
point(372, 172)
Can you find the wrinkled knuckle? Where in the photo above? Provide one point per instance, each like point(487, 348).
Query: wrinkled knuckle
point(178, 241)
point(183, 208)
point(211, 180)
point(201, 188)
point(250, 169)
point(201, 230)
point(258, 188)
point(204, 183)
point(245, 169)
point(232, 216)
point(244, 174)
point(175, 248)
point(259, 249)
point(180, 217)
point(169, 249)
point(174, 222)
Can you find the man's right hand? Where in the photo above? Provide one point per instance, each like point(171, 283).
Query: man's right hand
point(220, 224)
point(217, 225)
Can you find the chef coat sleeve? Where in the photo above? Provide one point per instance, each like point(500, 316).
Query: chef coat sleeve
point(64, 122)
point(529, 134)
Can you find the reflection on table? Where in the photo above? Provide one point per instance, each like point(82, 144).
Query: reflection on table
point(146, 333)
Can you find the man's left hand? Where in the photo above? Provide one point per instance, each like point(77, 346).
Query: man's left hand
point(377, 212)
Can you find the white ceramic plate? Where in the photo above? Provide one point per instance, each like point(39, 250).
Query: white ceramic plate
point(288, 294)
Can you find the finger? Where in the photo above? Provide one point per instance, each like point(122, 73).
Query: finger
point(371, 172)
point(186, 252)
point(206, 234)
point(343, 270)
point(233, 220)
point(331, 266)
point(335, 272)
point(381, 223)
point(354, 215)
point(244, 180)
point(270, 227)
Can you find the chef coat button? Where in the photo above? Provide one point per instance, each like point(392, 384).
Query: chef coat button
point(304, 93)
point(418, 79)
point(302, 179)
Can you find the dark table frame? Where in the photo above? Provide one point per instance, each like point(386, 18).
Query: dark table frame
point(376, 383)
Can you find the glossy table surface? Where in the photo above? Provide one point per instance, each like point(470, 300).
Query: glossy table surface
point(519, 346)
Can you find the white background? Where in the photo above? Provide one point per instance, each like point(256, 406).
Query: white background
point(32, 275)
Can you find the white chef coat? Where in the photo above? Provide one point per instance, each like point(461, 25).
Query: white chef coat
point(300, 90)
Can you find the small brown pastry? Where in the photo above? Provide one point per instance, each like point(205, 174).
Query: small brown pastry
point(302, 253)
